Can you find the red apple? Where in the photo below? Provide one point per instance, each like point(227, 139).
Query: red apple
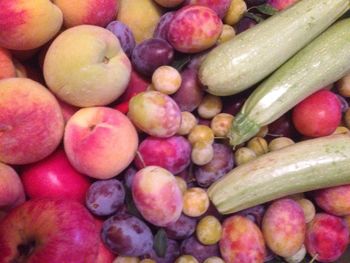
point(48, 230)
point(55, 177)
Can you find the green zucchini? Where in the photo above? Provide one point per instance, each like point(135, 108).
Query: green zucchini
point(304, 166)
point(252, 55)
point(323, 61)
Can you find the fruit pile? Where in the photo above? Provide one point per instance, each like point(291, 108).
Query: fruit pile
point(109, 141)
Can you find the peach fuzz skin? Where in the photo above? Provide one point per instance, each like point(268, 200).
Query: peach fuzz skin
point(11, 188)
point(18, 18)
point(31, 121)
point(6, 64)
point(85, 66)
point(100, 142)
point(88, 12)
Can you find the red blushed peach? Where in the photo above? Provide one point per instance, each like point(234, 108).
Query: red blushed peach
point(219, 6)
point(157, 195)
point(194, 28)
point(100, 141)
point(241, 241)
point(284, 227)
point(85, 66)
point(11, 188)
point(334, 200)
point(28, 24)
point(6, 64)
point(31, 121)
point(327, 237)
point(281, 4)
point(87, 12)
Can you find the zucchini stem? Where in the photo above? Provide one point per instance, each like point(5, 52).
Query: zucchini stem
point(242, 129)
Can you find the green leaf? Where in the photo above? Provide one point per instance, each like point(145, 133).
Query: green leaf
point(265, 9)
point(253, 16)
point(181, 62)
point(160, 243)
point(130, 205)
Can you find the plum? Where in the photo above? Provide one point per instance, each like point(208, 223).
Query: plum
point(157, 195)
point(284, 227)
point(241, 241)
point(194, 28)
point(155, 113)
point(171, 153)
point(327, 237)
point(334, 200)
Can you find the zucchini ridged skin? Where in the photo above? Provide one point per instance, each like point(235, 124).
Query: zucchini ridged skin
point(305, 166)
point(320, 63)
point(252, 55)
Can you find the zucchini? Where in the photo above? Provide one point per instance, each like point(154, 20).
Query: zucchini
point(252, 55)
point(323, 61)
point(304, 166)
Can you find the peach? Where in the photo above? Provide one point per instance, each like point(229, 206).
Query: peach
point(100, 142)
point(241, 241)
point(327, 237)
point(31, 121)
point(88, 12)
point(334, 200)
point(6, 64)
point(157, 195)
point(85, 66)
point(11, 188)
point(284, 227)
point(194, 28)
point(28, 24)
point(130, 12)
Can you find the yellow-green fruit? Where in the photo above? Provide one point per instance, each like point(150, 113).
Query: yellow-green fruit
point(209, 230)
point(141, 16)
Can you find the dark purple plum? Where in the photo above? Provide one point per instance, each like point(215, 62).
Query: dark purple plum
point(191, 246)
point(182, 228)
point(190, 93)
point(251, 3)
point(172, 252)
point(162, 28)
point(255, 213)
point(343, 103)
point(151, 54)
point(125, 36)
point(282, 127)
point(105, 197)
point(127, 235)
point(244, 24)
point(221, 164)
point(129, 176)
point(233, 104)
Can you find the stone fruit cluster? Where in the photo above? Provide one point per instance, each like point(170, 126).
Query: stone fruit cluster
point(108, 140)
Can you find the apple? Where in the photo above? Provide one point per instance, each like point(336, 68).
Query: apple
point(55, 177)
point(11, 188)
point(85, 66)
point(49, 230)
point(100, 142)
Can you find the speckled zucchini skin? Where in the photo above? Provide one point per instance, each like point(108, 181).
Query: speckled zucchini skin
point(252, 55)
point(304, 166)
